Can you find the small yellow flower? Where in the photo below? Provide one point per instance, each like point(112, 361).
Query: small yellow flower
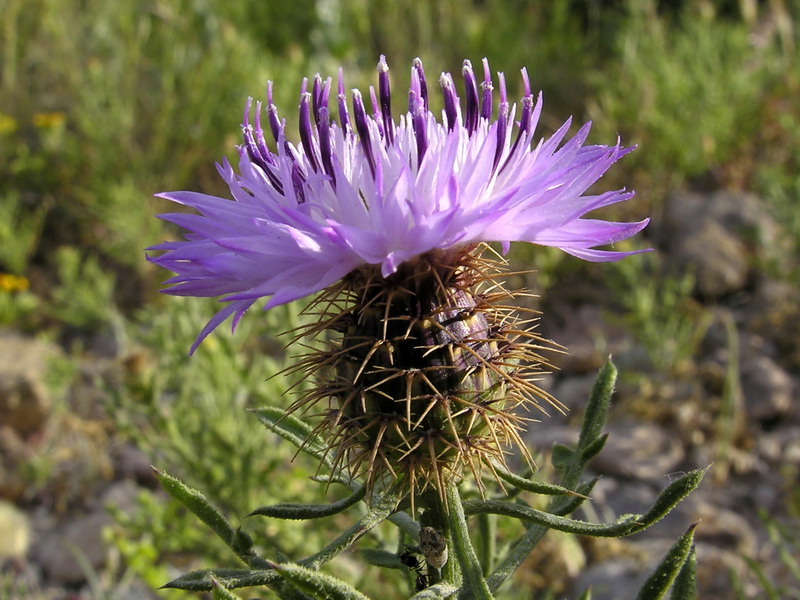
point(8, 124)
point(48, 120)
point(13, 283)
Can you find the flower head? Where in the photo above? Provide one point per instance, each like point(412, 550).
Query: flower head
point(426, 362)
point(371, 190)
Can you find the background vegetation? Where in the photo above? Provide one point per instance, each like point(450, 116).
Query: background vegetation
point(103, 104)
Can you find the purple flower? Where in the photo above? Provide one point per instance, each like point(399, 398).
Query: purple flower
point(367, 189)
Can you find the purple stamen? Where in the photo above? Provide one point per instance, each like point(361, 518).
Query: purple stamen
point(261, 143)
point(344, 117)
point(386, 99)
point(376, 112)
point(247, 134)
point(360, 118)
point(416, 106)
point(502, 121)
point(527, 111)
point(450, 100)
point(256, 146)
point(306, 133)
point(471, 91)
point(316, 94)
point(324, 129)
point(487, 87)
point(272, 111)
point(417, 65)
point(326, 92)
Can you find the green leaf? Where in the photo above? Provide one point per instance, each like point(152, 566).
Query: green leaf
point(474, 585)
point(381, 558)
point(685, 585)
point(569, 464)
point(597, 409)
point(219, 592)
point(487, 541)
point(570, 505)
point(309, 511)
point(670, 497)
point(294, 430)
point(203, 580)
point(241, 543)
point(665, 574)
point(593, 449)
point(316, 584)
point(537, 487)
point(587, 595)
point(381, 508)
point(562, 456)
point(198, 504)
point(621, 527)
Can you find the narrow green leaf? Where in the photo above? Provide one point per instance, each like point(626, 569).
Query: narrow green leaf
point(440, 591)
point(566, 506)
point(621, 527)
point(220, 592)
point(241, 543)
point(203, 580)
point(381, 558)
point(487, 541)
point(562, 456)
point(537, 487)
point(593, 449)
point(294, 430)
point(310, 511)
point(670, 496)
point(198, 504)
point(474, 585)
point(316, 584)
point(597, 409)
point(380, 509)
point(685, 585)
point(662, 578)
point(516, 557)
point(770, 593)
point(587, 595)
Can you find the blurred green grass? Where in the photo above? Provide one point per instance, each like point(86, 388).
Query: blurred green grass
point(103, 104)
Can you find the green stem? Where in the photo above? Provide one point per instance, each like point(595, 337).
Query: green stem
point(474, 586)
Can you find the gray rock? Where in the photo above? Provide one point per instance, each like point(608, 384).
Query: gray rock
point(767, 389)
point(15, 532)
point(780, 448)
point(63, 552)
point(717, 237)
point(612, 498)
point(573, 392)
point(131, 463)
point(24, 400)
point(617, 579)
point(588, 338)
point(641, 451)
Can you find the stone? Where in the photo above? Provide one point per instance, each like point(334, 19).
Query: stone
point(641, 451)
point(15, 532)
point(718, 237)
point(131, 463)
point(14, 452)
point(24, 400)
point(767, 390)
point(58, 551)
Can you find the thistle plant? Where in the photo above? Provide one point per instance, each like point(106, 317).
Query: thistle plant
point(424, 363)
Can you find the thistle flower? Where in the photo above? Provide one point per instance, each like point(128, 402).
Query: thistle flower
point(389, 219)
